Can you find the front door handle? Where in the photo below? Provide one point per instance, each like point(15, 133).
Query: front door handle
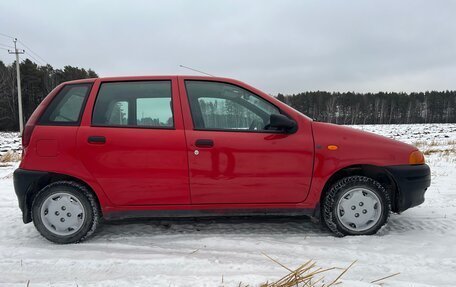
point(204, 143)
point(96, 140)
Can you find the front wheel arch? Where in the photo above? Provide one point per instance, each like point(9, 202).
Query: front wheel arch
point(377, 173)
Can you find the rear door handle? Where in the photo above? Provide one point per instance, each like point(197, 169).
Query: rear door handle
point(96, 140)
point(204, 143)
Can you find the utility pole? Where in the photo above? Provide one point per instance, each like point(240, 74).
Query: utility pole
point(19, 89)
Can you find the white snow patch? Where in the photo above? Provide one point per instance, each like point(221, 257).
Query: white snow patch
point(9, 142)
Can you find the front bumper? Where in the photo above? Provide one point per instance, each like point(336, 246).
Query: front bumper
point(25, 182)
point(412, 182)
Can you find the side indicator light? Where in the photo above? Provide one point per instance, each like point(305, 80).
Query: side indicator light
point(332, 147)
point(416, 157)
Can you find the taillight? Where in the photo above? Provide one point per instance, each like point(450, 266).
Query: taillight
point(26, 135)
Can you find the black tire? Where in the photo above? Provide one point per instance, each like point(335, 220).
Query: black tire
point(334, 195)
point(86, 199)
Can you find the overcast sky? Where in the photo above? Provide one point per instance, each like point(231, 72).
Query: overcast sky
point(277, 46)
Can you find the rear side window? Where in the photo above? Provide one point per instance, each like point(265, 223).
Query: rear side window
point(66, 108)
point(134, 104)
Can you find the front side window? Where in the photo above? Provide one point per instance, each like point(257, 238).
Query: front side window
point(134, 104)
point(222, 106)
point(66, 107)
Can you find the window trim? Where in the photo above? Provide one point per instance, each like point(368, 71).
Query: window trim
point(133, 127)
point(234, 130)
point(42, 122)
point(173, 127)
point(243, 131)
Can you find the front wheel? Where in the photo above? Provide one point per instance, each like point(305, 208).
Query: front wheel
point(65, 212)
point(356, 205)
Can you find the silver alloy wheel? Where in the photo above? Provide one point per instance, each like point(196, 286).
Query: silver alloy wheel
point(62, 214)
point(359, 209)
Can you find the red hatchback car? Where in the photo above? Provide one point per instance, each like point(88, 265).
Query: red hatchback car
point(173, 146)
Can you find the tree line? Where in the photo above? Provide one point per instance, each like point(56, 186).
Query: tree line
point(226, 114)
point(37, 81)
point(341, 108)
point(376, 108)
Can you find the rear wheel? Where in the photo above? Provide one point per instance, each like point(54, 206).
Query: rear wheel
point(65, 212)
point(356, 205)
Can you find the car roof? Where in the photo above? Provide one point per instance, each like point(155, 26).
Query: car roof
point(154, 77)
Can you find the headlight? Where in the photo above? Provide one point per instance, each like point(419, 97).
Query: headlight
point(416, 157)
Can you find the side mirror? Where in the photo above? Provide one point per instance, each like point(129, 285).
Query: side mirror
point(282, 122)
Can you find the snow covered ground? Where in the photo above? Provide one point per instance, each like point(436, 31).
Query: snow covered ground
point(420, 243)
point(9, 142)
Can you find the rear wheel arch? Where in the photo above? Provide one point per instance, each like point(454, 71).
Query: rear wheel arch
point(50, 178)
point(65, 212)
point(377, 173)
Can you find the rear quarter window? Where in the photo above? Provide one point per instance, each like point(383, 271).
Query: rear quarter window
point(67, 106)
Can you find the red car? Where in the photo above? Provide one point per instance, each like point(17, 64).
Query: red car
point(174, 146)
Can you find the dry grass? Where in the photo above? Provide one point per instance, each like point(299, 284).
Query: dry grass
point(445, 151)
point(386, 277)
point(446, 148)
point(433, 143)
point(423, 143)
point(306, 275)
point(10, 156)
point(309, 275)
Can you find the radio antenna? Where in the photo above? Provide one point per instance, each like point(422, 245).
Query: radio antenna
point(195, 70)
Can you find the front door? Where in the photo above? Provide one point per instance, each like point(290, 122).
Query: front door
point(234, 156)
point(134, 146)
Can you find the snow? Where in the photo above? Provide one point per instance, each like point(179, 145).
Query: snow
point(9, 141)
point(420, 243)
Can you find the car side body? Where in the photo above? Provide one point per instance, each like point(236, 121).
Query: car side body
point(183, 167)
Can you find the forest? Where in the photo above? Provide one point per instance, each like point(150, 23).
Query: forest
point(36, 81)
point(336, 107)
point(376, 108)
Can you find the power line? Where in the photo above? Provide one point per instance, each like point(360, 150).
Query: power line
point(36, 60)
point(8, 36)
point(27, 47)
point(28, 54)
point(6, 46)
point(22, 43)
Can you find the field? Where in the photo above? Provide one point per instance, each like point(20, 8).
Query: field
point(419, 244)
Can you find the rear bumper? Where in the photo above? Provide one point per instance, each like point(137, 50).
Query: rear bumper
point(24, 183)
point(412, 182)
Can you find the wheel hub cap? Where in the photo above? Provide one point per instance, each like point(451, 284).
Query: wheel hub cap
point(62, 214)
point(359, 209)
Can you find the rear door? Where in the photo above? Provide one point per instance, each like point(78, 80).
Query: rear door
point(233, 156)
point(133, 143)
